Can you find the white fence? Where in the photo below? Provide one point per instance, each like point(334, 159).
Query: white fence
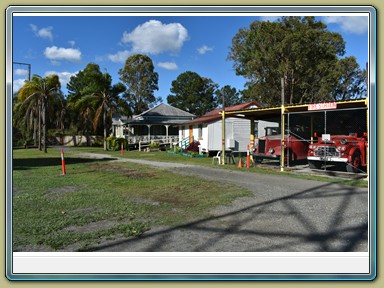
point(149, 139)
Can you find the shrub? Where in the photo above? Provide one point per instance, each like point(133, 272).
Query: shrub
point(115, 143)
point(177, 149)
point(154, 145)
point(193, 147)
point(118, 142)
point(110, 142)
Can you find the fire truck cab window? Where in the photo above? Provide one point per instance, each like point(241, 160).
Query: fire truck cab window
point(269, 131)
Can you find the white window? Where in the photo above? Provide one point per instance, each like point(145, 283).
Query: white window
point(200, 131)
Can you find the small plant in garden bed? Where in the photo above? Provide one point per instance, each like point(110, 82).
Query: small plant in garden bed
point(193, 154)
point(114, 143)
point(177, 149)
point(154, 145)
point(193, 147)
point(174, 150)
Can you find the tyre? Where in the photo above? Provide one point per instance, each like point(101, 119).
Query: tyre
point(354, 166)
point(313, 164)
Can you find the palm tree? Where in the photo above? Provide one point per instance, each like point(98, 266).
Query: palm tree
point(85, 107)
point(38, 93)
point(58, 113)
point(24, 120)
point(107, 104)
point(93, 96)
point(28, 107)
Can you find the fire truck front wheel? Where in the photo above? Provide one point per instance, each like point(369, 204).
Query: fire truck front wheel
point(354, 166)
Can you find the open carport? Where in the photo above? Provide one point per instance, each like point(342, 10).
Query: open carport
point(340, 117)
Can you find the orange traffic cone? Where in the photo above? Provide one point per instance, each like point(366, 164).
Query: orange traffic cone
point(240, 165)
point(63, 162)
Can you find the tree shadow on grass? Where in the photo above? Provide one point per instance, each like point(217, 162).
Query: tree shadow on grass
point(30, 163)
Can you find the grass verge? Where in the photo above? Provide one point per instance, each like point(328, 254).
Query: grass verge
point(100, 200)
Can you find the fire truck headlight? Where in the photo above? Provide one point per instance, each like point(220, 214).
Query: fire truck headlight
point(271, 150)
point(343, 141)
point(341, 148)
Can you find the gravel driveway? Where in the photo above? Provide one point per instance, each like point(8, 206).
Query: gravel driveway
point(284, 214)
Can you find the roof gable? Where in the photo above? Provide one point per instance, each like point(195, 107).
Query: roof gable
point(165, 110)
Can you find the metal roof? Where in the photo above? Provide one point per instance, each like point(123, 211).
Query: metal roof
point(266, 113)
point(162, 114)
point(165, 110)
point(215, 115)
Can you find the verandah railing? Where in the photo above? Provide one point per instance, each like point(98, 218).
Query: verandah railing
point(185, 142)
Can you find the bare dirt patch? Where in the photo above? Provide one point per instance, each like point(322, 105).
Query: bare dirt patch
point(56, 193)
point(92, 227)
point(130, 173)
point(142, 201)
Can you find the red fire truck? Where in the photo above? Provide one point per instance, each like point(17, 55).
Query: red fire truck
point(346, 150)
point(269, 146)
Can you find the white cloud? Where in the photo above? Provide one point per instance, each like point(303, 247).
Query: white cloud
point(64, 77)
point(21, 72)
point(168, 65)
point(154, 37)
point(349, 24)
point(56, 53)
point(204, 49)
point(43, 32)
point(119, 57)
point(72, 43)
point(17, 84)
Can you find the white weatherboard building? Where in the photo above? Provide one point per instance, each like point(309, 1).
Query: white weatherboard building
point(208, 129)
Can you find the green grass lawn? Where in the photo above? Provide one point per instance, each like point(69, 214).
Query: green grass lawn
point(100, 200)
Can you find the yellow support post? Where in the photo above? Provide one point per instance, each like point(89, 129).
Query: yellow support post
point(252, 132)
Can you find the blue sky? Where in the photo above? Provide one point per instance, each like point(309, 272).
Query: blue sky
point(64, 45)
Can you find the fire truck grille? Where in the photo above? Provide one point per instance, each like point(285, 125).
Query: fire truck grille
point(326, 151)
point(261, 146)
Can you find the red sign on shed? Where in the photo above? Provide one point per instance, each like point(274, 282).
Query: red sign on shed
point(322, 106)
